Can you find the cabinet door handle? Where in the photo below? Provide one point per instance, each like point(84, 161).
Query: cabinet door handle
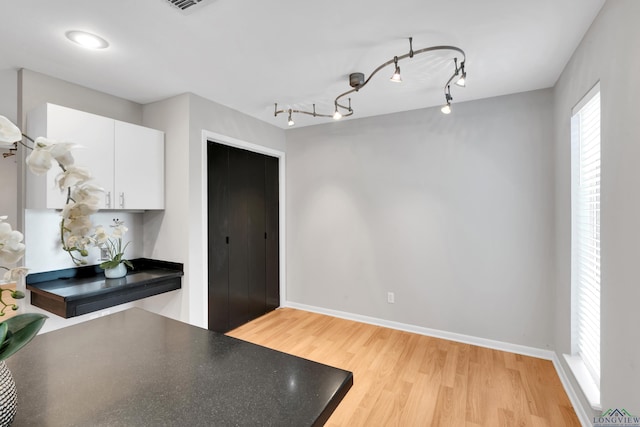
point(107, 199)
point(122, 200)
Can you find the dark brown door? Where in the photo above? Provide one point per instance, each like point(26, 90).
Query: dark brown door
point(243, 236)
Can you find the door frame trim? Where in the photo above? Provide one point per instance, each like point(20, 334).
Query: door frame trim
point(208, 136)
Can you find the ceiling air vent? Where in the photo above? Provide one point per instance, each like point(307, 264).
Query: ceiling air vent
point(189, 6)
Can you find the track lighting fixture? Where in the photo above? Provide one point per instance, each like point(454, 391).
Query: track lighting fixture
point(396, 74)
point(446, 108)
point(290, 121)
point(357, 82)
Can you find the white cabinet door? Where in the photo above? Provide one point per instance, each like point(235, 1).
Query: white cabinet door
point(139, 167)
point(126, 160)
point(93, 133)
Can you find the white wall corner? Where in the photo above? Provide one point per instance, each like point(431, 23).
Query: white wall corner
point(581, 412)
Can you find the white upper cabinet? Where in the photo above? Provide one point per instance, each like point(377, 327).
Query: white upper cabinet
point(126, 160)
point(139, 160)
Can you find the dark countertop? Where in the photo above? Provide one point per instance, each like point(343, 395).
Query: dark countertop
point(136, 368)
point(75, 291)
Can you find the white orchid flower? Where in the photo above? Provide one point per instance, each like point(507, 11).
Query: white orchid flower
point(15, 273)
point(85, 201)
point(78, 226)
point(86, 190)
point(101, 235)
point(45, 151)
point(119, 230)
point(11, 246)
point(9, 133)
point(73, 211)
point(87, 194)
point(39, 162)
point(61, 152)
point(72, 176)
point(80, 242)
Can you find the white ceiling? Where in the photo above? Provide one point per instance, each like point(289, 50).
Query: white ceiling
point(249, 54)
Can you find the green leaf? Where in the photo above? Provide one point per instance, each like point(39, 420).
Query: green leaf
point(109, 264)
point(20, 330)
point(17, 294)
point(113, 263)
point(5, 344)
point(4, 330)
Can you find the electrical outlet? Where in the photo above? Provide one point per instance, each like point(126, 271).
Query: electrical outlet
point(391, 297)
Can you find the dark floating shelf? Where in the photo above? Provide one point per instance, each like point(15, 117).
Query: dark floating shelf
point(76, 291)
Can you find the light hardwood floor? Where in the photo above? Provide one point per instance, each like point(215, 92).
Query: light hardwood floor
point(405, 379)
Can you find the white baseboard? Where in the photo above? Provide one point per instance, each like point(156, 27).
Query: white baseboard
point(466, 339)
point(452, 336)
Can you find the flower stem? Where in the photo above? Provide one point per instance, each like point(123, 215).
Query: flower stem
point(65, 246)
point(25, 145)
point(4, 304)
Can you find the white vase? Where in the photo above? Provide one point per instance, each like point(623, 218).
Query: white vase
point(116, 272)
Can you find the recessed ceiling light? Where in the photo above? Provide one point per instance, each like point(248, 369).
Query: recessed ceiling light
point(87, 40)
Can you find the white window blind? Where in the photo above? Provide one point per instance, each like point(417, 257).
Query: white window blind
point(585, 251)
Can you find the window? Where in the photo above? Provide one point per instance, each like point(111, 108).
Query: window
point(585, 237)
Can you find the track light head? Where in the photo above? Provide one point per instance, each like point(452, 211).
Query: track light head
point(396, 78)
point(447, 95)
point(337, 115)
point(462, 80)
point(446, 109)
point(290, 121)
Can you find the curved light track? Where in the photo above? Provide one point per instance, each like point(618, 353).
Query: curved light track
point(342, 110)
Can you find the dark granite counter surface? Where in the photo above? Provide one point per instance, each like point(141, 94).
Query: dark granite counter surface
point(75, 291)
point(136, 368)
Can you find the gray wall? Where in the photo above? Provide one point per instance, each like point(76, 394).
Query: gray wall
point(36, 89)
point(451, 213)
point(182, 226)
point(166, 231)
point(609, 53)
